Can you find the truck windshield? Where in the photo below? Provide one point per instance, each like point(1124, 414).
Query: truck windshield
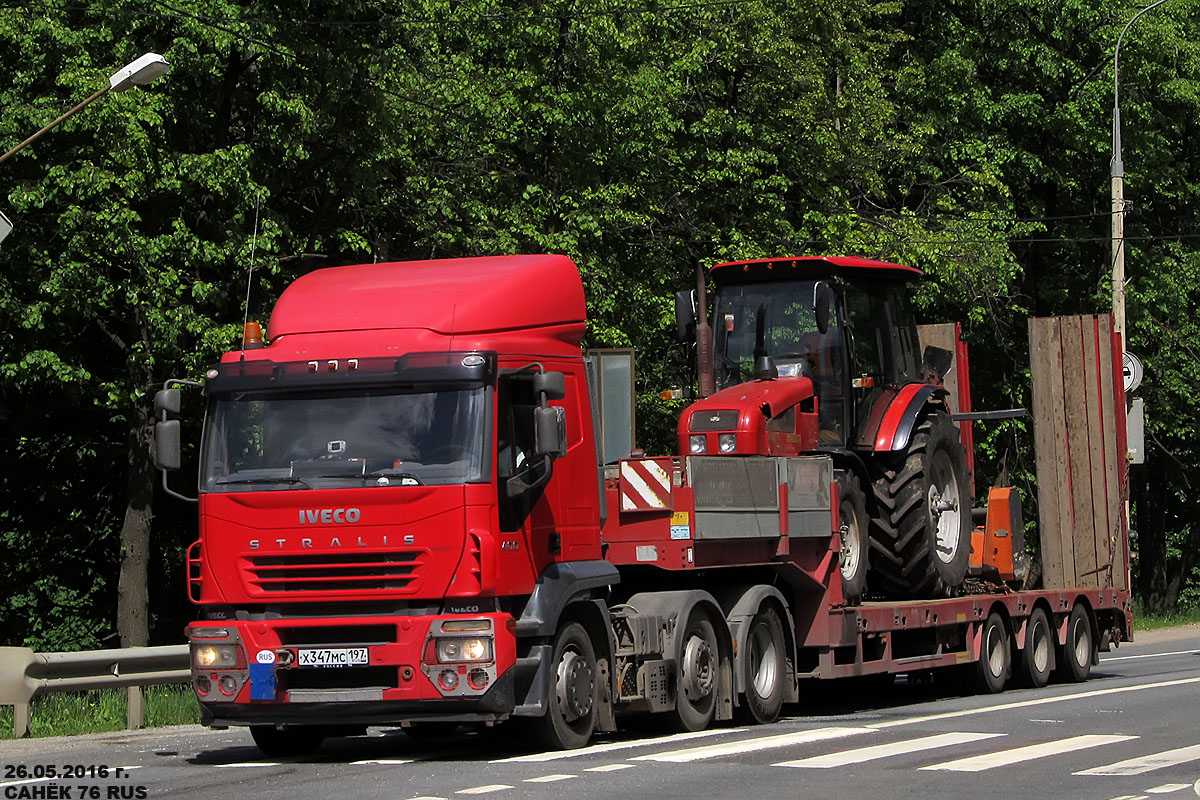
point(256, 441)
point(789, 327)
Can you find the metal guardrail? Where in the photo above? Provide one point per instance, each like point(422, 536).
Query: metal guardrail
point(25, 674)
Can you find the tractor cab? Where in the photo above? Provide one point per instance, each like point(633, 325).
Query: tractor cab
point(808, 352)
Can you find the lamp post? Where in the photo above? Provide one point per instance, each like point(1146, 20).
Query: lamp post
point(1118, 192)
point(136, 73)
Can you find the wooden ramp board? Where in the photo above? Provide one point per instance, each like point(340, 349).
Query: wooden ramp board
point(1078, 410)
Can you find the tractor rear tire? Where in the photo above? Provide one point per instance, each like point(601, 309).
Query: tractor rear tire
point(921, 538)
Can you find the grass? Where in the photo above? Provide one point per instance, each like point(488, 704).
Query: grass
point(72, 713)
point(1147, 622)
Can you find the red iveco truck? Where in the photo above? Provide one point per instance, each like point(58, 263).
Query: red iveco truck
point(405, 518)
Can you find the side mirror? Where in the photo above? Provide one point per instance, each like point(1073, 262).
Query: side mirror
point(167, 447)
point(553, 384)
point(936, 363)
point(822, 296)
point(685, 315)
point(167, 402)
point(550, 431)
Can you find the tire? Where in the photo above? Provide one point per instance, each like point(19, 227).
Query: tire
point(855, 524)
point(765, 667)
point(921, 538)
point(697, 666)
point(1037, 657)
point(298, 741)
point(1075, 656)
point(571, 698)
point(995, 655)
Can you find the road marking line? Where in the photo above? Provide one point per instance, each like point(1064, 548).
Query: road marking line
point(752, 745)
point(382, 761)
point(886, 750)
point(550, 778)
point(1130, 797)
point(426, 798)
point(29, 780)
point(249, 764)
point(608, 748)
point(491, 787)
point(1019, 755)
point(1136, 766)
point(609, 767)
point(1153, 655)
point(970, 712)
point(1167, 788)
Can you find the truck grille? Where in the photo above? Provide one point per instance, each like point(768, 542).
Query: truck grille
point(330, 572)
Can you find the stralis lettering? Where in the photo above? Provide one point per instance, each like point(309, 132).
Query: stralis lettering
point(312, 516)
point(335, 541)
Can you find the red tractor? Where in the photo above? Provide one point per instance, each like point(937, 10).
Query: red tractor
point(822, 355)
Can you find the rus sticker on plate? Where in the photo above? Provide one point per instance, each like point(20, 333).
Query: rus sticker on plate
point(332, 657)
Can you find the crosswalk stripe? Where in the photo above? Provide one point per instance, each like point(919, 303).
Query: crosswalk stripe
point(1167, 788)
point(752, 745)
point(885, 750)
point(1136, 766)
point(608, 748)
point(1019, 755)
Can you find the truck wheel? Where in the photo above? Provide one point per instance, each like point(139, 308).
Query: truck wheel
point(298, 741)
point(1038, 655)
point(765, 667)
point(854, 522)
point(571, 714)
point(696, 674)
point(995, 655)
point(922, 536)
point(1075, 657)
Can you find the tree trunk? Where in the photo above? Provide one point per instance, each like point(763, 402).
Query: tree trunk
point(133, 600)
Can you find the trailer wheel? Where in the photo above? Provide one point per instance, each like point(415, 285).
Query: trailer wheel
point(1075, 657)
point(297, 741)
point(922, 536)
point(995, 655)
point(854, 523)
point(1037, 658)
point(765, 667)
point(571, 715)
point(698, 664)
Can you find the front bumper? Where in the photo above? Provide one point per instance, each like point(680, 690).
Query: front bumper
point(394, 674)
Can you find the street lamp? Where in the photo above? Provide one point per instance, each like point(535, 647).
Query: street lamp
point(136, 73)
point(1118, 193)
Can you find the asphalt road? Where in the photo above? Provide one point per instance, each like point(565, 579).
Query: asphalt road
point(1132, 731)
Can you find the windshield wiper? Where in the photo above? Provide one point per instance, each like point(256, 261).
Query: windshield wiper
point(406, 478)
point(281, 479)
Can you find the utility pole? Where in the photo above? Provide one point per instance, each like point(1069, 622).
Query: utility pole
point(1118, 192)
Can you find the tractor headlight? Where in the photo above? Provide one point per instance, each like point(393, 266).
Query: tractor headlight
point(727, 442)
point(697, 443)
point(215, 656)
point(463, 649)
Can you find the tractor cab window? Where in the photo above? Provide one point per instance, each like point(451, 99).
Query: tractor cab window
point(782, 314)
point(884, 332)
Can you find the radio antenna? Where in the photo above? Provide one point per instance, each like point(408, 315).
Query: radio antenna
point(249, 277)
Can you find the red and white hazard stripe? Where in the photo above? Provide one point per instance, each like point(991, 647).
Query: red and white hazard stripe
point(646, 485)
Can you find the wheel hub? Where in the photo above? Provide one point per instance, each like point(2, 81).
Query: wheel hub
point(943, 505)
point(574, 686)
point(849, 555)
point(698, 673)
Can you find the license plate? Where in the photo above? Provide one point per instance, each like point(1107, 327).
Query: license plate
point(332, 657)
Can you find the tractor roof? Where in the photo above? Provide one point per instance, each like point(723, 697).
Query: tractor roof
point(449, 296)
point(813, 266)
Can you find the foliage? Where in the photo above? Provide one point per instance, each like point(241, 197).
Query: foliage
point(969, 139)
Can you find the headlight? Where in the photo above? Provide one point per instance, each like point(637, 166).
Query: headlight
point(727, 442)
point(463, 649)
point(215, 656)
point(697, 443)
